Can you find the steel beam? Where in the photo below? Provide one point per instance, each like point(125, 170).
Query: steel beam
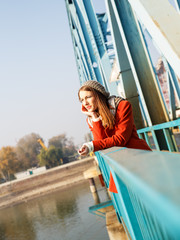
point(124, 68)
point(100, 51)
point(89, 43)
point(83, 59)
point(140, 62)
point(178, 3)
point(163, 23)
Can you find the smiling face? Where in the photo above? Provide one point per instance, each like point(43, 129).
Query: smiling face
point(88, 100)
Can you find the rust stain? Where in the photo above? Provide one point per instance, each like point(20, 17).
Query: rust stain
point(157, 24)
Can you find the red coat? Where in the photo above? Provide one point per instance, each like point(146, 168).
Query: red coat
point(123, 134)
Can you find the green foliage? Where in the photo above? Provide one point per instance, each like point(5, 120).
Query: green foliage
point(51, 157)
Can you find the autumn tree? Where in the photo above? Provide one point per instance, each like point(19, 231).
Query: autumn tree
point(9, 163)
point(27, 150)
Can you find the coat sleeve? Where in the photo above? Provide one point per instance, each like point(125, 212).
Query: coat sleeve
point(97, 130)
point(123, 128)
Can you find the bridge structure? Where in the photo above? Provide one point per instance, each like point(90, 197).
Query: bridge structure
point(133, 49)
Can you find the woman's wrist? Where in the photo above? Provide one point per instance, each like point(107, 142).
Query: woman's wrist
point(90, 146)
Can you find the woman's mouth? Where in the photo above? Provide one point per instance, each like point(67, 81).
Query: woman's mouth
point(88, 107)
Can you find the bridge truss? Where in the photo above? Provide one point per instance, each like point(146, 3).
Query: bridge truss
point(133, 49)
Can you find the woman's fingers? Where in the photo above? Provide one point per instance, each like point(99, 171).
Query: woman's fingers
point(85, 111)
point(83, 150)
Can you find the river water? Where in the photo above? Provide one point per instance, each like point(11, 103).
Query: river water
point(62, 215)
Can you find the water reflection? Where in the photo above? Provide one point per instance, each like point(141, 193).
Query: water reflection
point(14, 225)
point(66, 210)
point(62, 215)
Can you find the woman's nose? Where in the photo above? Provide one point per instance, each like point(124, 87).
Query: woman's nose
point(85, 101)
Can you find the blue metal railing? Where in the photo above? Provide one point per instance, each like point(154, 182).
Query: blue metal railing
point(147, 202)
point(149, 133)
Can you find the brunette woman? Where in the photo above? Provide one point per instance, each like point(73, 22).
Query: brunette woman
point(109, 118)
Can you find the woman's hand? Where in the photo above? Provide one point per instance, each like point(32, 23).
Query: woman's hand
point(83, 151)
point(86, 148)
point(93, 115)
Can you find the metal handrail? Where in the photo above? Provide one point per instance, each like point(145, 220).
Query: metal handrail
point(147, 201)
point(175, 123)
point(167, 130)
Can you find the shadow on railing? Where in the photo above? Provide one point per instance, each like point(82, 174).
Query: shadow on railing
point(148, 184)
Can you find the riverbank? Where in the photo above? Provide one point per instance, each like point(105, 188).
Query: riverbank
point(21, 190)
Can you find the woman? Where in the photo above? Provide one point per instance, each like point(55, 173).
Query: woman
point(109, 118)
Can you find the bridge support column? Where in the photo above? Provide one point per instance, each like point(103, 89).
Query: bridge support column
point(90, 174)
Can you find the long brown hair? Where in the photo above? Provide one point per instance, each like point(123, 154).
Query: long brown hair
point(108, 120)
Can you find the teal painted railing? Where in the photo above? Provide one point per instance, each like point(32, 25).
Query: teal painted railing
point(148, 184)
point(167, 128)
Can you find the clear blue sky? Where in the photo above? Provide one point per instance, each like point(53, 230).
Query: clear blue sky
point(38, 75)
